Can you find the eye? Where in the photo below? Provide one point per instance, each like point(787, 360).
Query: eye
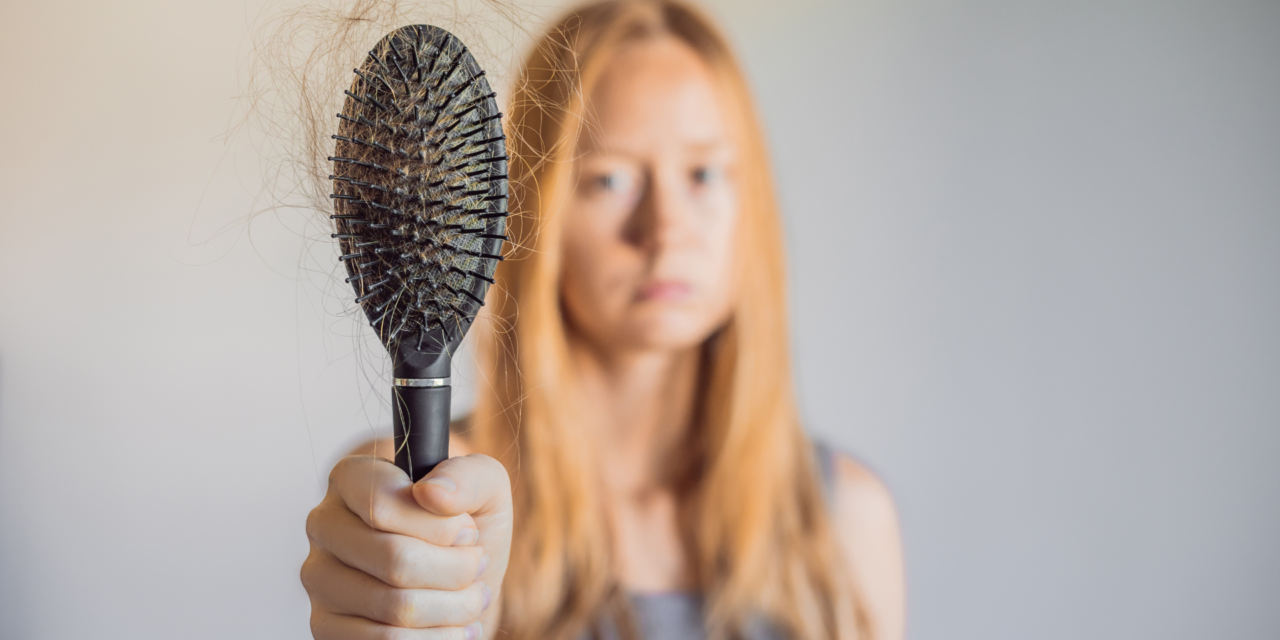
point(705, 175)
point(611, 182)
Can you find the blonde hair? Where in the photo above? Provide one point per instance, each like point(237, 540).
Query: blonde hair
point(754, 513)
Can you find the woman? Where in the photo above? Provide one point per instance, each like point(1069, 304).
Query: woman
point(636, 467)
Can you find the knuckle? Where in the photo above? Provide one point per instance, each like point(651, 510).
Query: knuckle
point(450, 580)
point(322, 627)
point(462, 576)
point(317, 627)
point(399, 607)
point(473, 603)
point(339, 470)
point(314, 523)
point(462, 568)
point(382, 511)
point(397, 561)
point(308, 574)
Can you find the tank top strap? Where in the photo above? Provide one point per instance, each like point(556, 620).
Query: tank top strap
point(825, 457)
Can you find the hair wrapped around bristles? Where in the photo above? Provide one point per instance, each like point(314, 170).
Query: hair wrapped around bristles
point(420, 184)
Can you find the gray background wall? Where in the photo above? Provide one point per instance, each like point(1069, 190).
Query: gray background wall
point(1036, 266)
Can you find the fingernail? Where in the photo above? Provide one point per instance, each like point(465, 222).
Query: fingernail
point(484, 564)
point(472, 631)
point(444, 483)
point(466, 537)
point(488, 595)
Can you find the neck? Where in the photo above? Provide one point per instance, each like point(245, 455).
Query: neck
point(640, 405)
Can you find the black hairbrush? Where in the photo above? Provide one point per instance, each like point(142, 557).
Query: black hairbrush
point(420, 201)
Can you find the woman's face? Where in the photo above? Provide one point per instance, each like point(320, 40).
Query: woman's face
point(649, 236)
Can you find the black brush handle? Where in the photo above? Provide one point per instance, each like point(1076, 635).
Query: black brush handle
point(421, 428)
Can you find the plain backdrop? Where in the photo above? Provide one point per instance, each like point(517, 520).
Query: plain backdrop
point(1035, 257)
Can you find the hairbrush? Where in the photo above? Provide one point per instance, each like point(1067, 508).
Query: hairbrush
point(420, 206)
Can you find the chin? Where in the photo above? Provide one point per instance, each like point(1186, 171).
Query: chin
point(669, 330)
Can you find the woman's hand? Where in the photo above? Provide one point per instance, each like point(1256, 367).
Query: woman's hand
point(391, 559)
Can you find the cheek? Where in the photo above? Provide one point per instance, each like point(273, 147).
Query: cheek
point(579, 278)
point(724, 291)
point(720, 246)
point(595, 275)
point(712, 266)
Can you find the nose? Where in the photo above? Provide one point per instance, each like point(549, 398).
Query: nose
point(661, 216)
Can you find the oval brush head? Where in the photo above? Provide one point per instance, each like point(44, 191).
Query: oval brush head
point(420, 201)
point(420, 185)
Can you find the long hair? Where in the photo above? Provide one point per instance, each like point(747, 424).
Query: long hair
point(752, 506)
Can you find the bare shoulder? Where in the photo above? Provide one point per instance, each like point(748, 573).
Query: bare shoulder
point(861, 499)
point(866, 521)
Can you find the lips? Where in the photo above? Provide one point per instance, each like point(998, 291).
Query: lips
point(664, 291)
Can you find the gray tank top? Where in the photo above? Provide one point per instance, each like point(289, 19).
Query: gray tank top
point(676, 615)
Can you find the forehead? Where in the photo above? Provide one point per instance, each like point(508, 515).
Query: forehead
point(655, 94)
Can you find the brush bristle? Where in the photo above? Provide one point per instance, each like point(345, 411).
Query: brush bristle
point(420, 184)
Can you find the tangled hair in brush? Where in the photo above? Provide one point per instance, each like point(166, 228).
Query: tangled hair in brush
point(297, 77)
point(420, 184)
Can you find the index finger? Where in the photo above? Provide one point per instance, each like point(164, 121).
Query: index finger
point(382, 496)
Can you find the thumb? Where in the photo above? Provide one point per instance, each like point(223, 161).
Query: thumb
point(474, 484)
point(478, 485)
